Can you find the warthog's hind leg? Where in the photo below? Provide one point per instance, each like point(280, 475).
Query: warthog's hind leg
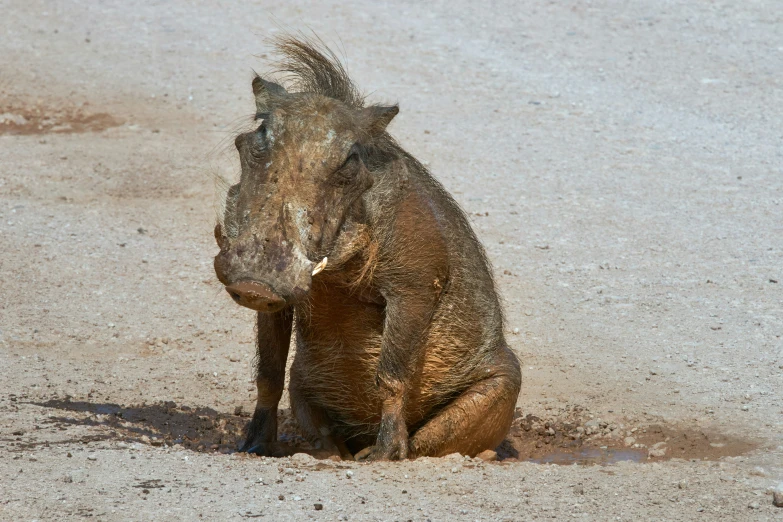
point(476, 420)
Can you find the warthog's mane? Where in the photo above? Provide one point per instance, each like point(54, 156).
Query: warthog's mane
point(308, 65)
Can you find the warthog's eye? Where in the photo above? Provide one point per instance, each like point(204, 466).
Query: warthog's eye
point(350, 167)
point(258, 149)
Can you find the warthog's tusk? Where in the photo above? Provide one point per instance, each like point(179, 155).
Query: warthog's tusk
point(320, 266)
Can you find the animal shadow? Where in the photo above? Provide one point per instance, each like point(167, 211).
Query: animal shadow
point(199, 429)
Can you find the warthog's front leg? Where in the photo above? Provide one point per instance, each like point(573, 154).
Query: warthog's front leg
point(408, 316)
point(274, 336)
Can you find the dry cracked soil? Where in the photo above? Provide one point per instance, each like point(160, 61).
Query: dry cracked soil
point(621, 162)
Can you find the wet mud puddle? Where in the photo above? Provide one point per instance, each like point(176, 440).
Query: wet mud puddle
point(592, 456)
point(575, 437)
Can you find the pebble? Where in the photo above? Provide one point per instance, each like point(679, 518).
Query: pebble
point(629, 441)
point(76, 475)
point(488, 456)
point(745, 407)
point(92, 457)
point(318, 506)
point(297, 498)
point(754, 505)
point(349, 474)
point(301, 459)
point(777, 496)
point(657, 450)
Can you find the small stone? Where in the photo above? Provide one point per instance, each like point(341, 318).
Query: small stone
point(629, 441)
point(777, 497)
point(318, 506)
point(745, 407)
point(297, 498)
point(301, 459)
point(754, 505)
point(487, 456)
point(579, 489)
point(76, 475)
point(349, 474)
point(280, 497)
point(657, 450)
point(515, 331)
point(92, 457)
point(233, 358)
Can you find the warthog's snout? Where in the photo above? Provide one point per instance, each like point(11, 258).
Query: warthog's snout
point(256, 296)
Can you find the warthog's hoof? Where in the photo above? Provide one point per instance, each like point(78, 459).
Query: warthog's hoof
point(266, 449)
point(374, 453)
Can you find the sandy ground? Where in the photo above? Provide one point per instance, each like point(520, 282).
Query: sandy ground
point(621, 163)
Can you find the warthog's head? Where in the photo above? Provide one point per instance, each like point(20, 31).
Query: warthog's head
point(304, 170)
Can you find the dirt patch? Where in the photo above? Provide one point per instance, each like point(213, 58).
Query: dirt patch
point(573, 438)
point(576, 436)
point(23, 120)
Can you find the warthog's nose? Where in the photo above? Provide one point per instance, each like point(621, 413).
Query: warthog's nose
point(256, 296)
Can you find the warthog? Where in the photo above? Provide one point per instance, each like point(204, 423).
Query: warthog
point(335, 229)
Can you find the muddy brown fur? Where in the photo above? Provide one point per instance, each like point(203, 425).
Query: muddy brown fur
point(399, 341)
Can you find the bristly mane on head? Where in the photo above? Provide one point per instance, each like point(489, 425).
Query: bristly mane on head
point(312, 67)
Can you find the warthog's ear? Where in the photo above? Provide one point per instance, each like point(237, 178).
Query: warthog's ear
point(264, 91)
point(376, 118)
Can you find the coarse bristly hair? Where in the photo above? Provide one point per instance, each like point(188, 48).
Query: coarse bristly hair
point(310, 66)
